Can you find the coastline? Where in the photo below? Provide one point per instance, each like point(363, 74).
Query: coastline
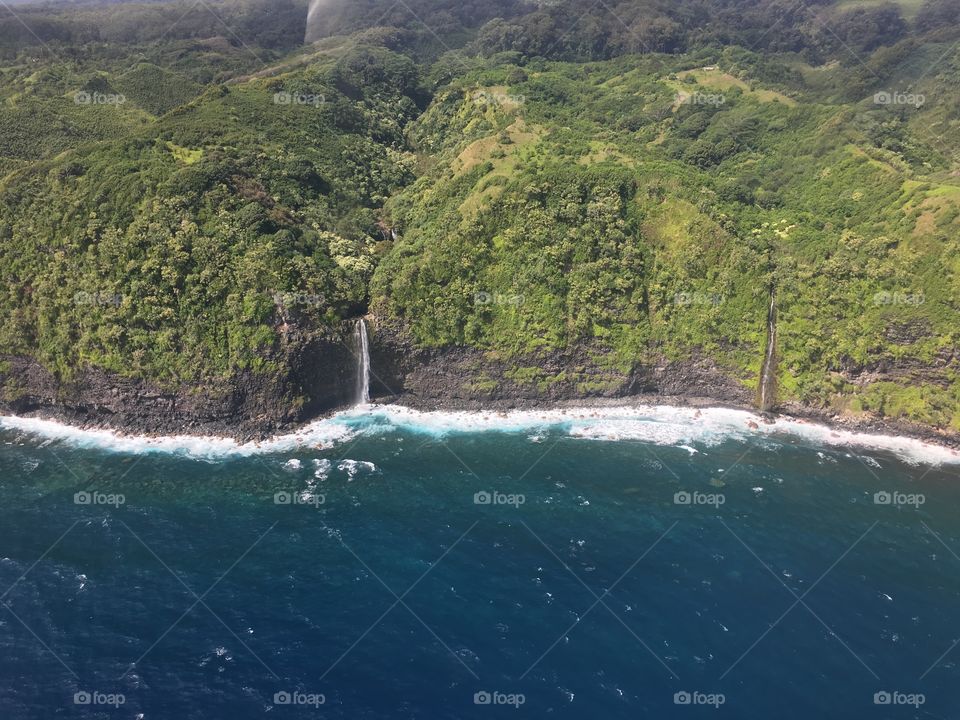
point(320, 375)
point(789, 411)
point(663, 420)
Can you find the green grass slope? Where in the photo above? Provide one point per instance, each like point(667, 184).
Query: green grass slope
point(179, 253)
point(649, 205)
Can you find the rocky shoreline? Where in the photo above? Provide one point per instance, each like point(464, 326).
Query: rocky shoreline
point(872, 426)
point(131, 424)
point(867, 425)
point(320, 374)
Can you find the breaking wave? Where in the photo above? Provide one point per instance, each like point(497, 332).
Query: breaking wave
point(660, 425)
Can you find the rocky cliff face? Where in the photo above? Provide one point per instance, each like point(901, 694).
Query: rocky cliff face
point(460, 377)
point(318, 375)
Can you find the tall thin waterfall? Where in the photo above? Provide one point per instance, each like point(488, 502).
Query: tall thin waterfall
point(362, 392)
point(322, 18)
point(312, 15)
point(768, 379)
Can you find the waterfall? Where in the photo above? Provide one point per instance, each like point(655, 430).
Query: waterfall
point(768, 374)
point(362, 390)
point(323, 18)
point(312, 15)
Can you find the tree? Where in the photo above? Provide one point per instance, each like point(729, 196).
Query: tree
point(935, 14)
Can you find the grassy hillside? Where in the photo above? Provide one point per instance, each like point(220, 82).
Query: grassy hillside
point(176, 252)
point(649, 205)
point(176, 199)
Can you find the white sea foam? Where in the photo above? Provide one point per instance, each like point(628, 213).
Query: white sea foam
point(687, 428)
point(321, 434)
point(354, 467)
point(660, 425)
point(322, 468)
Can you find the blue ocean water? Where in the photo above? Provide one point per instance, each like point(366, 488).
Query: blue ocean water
point(405, 575)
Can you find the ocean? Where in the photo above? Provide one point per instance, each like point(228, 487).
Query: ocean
point(384, 563)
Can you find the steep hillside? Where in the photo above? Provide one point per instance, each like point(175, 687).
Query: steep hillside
point(643, 211)
point(528, 203)
point(220, 241)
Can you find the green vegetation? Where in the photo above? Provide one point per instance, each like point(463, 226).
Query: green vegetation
point(175, 252)
point(633, 187)
point(653, 226)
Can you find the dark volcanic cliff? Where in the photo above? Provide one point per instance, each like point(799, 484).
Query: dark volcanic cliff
point(461, 377)
point(320, 373)
point(317, 376)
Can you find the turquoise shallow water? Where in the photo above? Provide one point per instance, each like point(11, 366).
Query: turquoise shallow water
point(754, 578)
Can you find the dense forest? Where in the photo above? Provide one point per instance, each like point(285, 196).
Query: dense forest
point(183, 187)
